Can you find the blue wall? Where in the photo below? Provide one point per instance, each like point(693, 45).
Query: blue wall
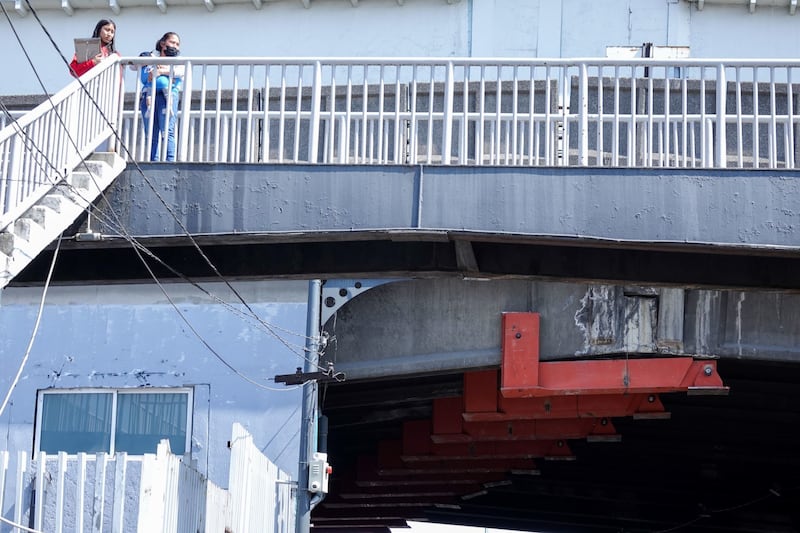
point(131, 336)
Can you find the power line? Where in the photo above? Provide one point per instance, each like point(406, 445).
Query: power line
point(141, 172)
point(137, 246)
point(35, 330)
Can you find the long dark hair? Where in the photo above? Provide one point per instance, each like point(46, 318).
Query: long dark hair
point(99, 26)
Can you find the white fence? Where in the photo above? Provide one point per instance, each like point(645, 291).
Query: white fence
point(157, 492)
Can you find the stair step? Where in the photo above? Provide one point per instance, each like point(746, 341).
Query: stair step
point(52, 201)
point(23, 240)
point(6, 243)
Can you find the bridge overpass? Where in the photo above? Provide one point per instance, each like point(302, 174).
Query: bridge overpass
point(666, 268)
point(420, 268)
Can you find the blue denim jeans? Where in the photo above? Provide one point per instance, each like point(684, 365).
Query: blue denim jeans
point(164, 125)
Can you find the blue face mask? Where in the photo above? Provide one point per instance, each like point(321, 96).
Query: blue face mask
point(171, 51)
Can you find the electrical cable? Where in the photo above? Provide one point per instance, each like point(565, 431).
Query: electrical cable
point(141, 172)
point(208, 346)
point(136, 247)
point(280, 429)
point(708, 513)
point(35, 329)
point(125, 234)
point(19, 526)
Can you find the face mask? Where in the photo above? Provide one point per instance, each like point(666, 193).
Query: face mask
point(171, 51)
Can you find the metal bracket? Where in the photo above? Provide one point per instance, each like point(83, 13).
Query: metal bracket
point(337, 292)
point(300, 377)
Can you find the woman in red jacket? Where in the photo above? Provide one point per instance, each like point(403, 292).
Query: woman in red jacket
point(105, 29)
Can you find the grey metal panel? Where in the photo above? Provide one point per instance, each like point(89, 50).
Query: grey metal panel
point(685, 206)
point(722, 207)
point(240, 199)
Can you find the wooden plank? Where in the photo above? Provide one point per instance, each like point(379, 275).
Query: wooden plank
point(80, 492)
point(118, 511)
point(3, 471)
point(151, 498)
point(22, 464)
point(99, 492)
point(60, 490)
point(41, 474)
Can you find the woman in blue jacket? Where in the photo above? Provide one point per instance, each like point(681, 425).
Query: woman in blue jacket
point(161, 96)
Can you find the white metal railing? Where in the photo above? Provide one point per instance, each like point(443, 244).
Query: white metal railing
point(44, 145)
point(154, 492)
point(508, 112)
point(563, 112)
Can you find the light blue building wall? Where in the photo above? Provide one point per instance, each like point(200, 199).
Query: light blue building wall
point(392, 28)
point(131, 336)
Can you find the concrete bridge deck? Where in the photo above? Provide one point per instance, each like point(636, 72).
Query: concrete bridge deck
point(688, 227)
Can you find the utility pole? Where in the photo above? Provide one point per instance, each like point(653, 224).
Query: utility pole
point(308, 422)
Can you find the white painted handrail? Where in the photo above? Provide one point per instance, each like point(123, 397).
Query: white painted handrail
point(43, 146)
point(582, 112)
point(515, 112)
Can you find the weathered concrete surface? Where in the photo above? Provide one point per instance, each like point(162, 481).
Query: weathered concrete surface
point(729, 229)
point(427, 326)
point(653, 207)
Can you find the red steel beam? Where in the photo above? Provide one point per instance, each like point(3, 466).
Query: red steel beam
point(524, 376)
point(566, 428)
point(447, 414)
point(584, 406)
point(391, 461)
point(418, 446)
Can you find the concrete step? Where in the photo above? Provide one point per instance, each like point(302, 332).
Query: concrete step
point(40, 225)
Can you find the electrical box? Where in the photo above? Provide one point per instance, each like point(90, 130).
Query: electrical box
point(319, 472)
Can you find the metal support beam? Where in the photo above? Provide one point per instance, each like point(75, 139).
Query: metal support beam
point(524, 376)
point(482, 403)
point(308, 429)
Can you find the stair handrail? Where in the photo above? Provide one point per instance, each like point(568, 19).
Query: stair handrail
point(40, 149)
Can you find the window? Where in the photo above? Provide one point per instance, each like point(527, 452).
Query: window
point(109, 420)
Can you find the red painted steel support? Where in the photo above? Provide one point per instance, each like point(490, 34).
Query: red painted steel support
point(483, 405)
point(447, 414)
point(565, 428)
point(524, 376)
point(480, 391)
point(418, 445)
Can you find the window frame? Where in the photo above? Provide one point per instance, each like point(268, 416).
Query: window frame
point(115, 392)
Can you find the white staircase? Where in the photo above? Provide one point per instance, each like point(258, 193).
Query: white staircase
point(41, 224)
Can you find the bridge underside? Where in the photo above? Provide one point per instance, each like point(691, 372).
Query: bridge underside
point(720, 463)
point(690, 227)
point(378, 254)
point(423, 428)
point(620, 264)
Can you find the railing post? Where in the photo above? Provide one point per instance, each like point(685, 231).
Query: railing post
point(313, 130)
point(721, 155)
point(22, 466)
point(114, 144)
point(583, 116)
point(447, 115)
point(186, 107)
